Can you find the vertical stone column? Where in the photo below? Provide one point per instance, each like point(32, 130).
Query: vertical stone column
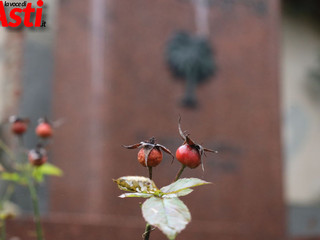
point(11, 54)
point(10, 71)
point(81, 87)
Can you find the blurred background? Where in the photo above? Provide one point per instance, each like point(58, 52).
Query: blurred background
point(244, 76)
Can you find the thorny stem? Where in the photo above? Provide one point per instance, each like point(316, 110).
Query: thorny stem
point(148, 226)
point(147, 232)
point(36, 212)
point(6, 197)
point(180, 172)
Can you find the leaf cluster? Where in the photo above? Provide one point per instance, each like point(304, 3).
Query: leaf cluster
point(163, 208)
point(37, 173)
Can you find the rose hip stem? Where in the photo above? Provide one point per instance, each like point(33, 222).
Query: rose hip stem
point(150, 172)
point(148, 226)
point(35, 202)
point(180, 172)
point(147, 232)
point(6, 197)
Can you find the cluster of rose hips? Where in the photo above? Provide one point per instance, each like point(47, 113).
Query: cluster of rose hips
point(189, 154)
point(44, 130)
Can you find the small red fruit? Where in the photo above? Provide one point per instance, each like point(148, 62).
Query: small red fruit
point(150, 154)
point(189, 156)
point(190, 153)
point(154, 158)
point(37, 156)
point(44, 129)
point(19, 125)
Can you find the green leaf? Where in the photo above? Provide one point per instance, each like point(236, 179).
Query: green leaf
point(15, 177)
point(181, 193)
point(143, 195)
point(170, 215)
point(45, 169)
point(49, 169)
point(136, 184)
point(183, 184)
point(37, 175)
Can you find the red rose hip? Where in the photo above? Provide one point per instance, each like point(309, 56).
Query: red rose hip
point(150, 149)
point(44, 130)
point(190, 153)
point(19, 127)
point(154, 158)
point(37, 156)
point(188, 156)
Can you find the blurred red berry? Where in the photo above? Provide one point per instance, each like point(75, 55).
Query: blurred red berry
point(19, 128)
point(37, 156)
point(18, 125)
point(44, 129)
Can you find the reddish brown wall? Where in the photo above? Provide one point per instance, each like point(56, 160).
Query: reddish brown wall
point(137, 98)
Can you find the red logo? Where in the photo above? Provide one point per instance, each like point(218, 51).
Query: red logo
point(21, 13)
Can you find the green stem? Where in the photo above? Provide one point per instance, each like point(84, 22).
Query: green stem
point(36, 212)
point(150, 172)
point(147, 232)
point(6, 149)
point(33, 195)
point(3, 229)
point(21, 142)
point(148, 226)
point(6, 197)
point(180, 172)
point(7, 194)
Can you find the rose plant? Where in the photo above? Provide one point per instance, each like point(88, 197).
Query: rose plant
point(163, 208)
point(26, 167)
